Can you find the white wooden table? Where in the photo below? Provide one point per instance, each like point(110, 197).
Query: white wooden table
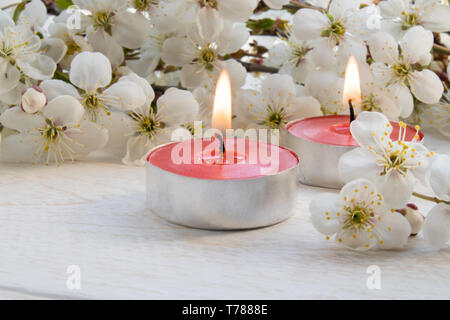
point(92, 215)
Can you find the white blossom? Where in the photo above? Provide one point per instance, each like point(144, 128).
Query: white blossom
point(359, 218)
point(20, 55)
point(54, 135)
point(200, 58)
point(134, 133)
point(394, 166)
point(277, 104)
point(401, 15)
point(91, 73)
point(111, 27)
point(403, 71)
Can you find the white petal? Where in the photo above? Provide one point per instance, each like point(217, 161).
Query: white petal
point(14, 96)
point(383, 74)
point(15, 118)
point(120, 130)
point(64, 110)
point(440, 176)
point(324, 213)
point(137, 148)
point(403, 98)
point(177, 51)
point(127, 95)
point(104, 43)
point(426, 86)
point(393, 230)
point(356, 239)
point(88, 138)
point(130, 29)
point(351, 46)
point(279, 89)
point(416, 44)
point(236, 71)
point(436, 18)
point(55, 88)
point(236, 10)
point(90, 71)
point(276, 4)
point(309, 24)
point(383, 48)
point(304, 107)
point(145, 86)
point(395, 188)
point(370, 126)
point(177, 107)
point(436, 229)
point(193, 76)
point(231, 41)
point(54, 48)
point(358, 163)
point(209, 23)
point(40, 67)
point(18, 148)
point(9, 76)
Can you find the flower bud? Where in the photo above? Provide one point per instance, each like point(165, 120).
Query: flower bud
point(414, 217)
point(33, 100)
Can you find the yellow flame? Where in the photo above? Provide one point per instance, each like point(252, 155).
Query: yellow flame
point(352, 86)
point(222, 111)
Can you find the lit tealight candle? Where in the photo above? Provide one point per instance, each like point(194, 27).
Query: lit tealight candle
point(254, 185)
point(321, 141)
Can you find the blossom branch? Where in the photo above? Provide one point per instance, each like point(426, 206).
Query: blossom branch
point(441, 49)
point(430, 198)
point(253, 67)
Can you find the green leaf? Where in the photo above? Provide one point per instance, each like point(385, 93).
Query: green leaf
point(261, 25)
point(19, 8)
point(64, 4)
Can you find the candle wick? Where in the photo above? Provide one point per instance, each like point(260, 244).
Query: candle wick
point(352, 111)
point(222, 144)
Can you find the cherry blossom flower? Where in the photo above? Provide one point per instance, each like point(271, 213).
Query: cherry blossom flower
point(74, 42)
point(140, 130)
point(111, 27)
point(403, 71)
point(401, 15)
point(211, 16)
point(436, 229)
point(91, 73)
point(394, 166)
point(293, 57)
point(150, 53)
point(277, 104)
point(54, 135)
point(20, 60)
point(327, 88)
point(200, 58)
point(359, 218)
point(336, 34)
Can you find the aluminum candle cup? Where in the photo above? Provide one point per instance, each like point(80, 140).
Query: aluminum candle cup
point(320, 142)
point(238, 194)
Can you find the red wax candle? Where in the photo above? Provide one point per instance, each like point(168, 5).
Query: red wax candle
point(243, 159)
point(321, 141)
point(335, 130)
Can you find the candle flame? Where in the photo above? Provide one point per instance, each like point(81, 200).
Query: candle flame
point(222, 103)
point(352, 86)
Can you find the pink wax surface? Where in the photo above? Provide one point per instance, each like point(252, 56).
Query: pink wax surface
point(238, 165)
point(335, 130)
